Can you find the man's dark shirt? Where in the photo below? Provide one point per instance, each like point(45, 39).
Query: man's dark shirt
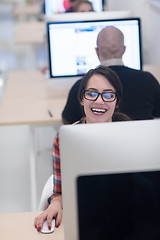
point(140, 101)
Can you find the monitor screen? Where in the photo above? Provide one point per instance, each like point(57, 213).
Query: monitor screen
point(71, 45)
point(61, 6)
point(119, 206)
point(119, 163)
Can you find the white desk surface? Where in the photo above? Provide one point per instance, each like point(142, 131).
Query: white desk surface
point(32, 32)
point(27, 99)
point(20, 226)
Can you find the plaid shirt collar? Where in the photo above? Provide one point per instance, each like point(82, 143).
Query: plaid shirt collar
point(81, 121)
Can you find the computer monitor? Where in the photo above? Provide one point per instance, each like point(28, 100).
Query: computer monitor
point(118, 162)
point(71, 45)
point(58, 6)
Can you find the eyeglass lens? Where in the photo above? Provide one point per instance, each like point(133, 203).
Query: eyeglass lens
point(106, 96)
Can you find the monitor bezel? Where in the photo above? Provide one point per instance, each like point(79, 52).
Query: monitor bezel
point(87, 21)
point(137, 142)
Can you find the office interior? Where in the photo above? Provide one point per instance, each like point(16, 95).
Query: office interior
point(14, 139)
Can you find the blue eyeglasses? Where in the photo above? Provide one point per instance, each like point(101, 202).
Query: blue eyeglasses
point(107, 96)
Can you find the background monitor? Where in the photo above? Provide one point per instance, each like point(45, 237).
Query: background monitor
point(81, 16)
point(122, 156)
point(71, 45)
point(58, 6)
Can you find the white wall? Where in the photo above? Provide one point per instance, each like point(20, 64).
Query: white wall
point(150, 16)
point(15, 189)
point(118, 5)
point(14, 169)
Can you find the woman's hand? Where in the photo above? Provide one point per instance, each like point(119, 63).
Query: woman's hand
point(54, 210)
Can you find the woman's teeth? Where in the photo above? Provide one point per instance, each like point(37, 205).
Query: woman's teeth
point(98, 110)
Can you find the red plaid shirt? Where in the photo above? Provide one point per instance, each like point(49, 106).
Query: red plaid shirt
point(57, 166)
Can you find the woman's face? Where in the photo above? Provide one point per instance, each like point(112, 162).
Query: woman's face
point(98, 111)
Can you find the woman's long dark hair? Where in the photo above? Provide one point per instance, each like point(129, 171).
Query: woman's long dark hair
point(113, 79)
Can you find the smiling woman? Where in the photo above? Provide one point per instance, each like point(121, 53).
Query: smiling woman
point(100, 94)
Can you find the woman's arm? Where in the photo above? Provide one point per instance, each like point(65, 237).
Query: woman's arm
point(54, 210)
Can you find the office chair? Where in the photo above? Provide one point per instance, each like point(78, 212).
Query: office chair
point(46, 193)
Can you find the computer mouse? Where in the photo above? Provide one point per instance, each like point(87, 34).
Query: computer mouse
point(45, 227)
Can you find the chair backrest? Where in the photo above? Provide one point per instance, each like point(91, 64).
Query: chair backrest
point(46, 193)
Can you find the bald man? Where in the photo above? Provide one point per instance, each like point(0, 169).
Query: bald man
point(141, 90)
point(110, 44)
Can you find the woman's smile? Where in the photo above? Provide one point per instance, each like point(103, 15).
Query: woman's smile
point(98, 110)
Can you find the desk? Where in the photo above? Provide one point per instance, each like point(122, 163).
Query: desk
point(19, 226)
point(27, 99)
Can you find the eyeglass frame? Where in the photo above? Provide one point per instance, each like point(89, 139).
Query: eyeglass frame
point(99, 94)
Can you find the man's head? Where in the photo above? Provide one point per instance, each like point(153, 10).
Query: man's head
point(110, 44)
point(84, 6)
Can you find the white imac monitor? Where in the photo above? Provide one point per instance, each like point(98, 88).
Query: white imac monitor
point(110, 180)
point(60, 6)
point(71, 45)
